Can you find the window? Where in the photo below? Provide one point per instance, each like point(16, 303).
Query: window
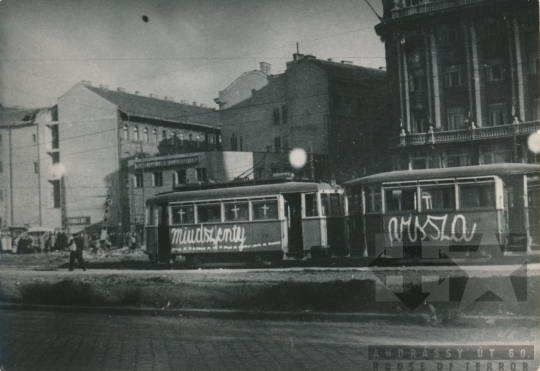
point(276, 116)
point(417, 83)
point(456, 118)
point(174, 138)
point(55, 194)
point(154, 135)
point(448, 36)
point(36, 168)
point(285, 142)
point(473, 196)
point(437, 198)
point(452, 78)
point(151, 215)
point(135, 133)
point(55, 157)
point(277, 144)
point(183, 214)
point(237, 211)
point(455, 158)
point(311, 204)
point(208, 213)
point(285, 114)
point(190, 137)
point(199, 142)
point(373, 200)
point(139, 181)
point(264, 210)
point(34, 139)
point(181, 177)
point(331, 204)
point(490, 29)
point(126, 132)
point(234, 143)
point(146, 139)
point(401, 199)
point(181, 139)
point(494, 72)
point(201, 174)
point(54, 138)
point(164, 135)
point(157, 179)
point(498, 114)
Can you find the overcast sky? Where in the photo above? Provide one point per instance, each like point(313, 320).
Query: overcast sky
point(188, 49)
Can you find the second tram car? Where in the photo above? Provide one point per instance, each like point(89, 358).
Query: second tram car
point(235, 221)
point(457, 205)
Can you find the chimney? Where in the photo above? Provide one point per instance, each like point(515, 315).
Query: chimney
point(297, 56)
point(170, 99)
point(86, 82)
point(265, 68)
point(195, 104)
point(121, 90)
point(346, 62)
point(330, 59)
point(137, 92)
point(154, 96)
point(103, 86)
point(184, 101)
point(310, 56)
point(203, 105)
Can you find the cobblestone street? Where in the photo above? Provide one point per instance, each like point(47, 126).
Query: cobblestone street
point(68, 341)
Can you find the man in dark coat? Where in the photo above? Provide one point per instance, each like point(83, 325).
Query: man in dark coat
point(75, 252)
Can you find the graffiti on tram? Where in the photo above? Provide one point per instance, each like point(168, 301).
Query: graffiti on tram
point(452, 228)
point(214, 238)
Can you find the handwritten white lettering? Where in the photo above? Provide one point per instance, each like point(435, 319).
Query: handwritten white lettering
point(434, 227)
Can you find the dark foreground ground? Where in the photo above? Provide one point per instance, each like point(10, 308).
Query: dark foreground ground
point(73, 341)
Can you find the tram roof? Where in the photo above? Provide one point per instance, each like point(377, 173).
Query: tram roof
point(240, 192)
point(453, 172)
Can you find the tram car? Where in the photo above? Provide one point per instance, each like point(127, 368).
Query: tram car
point(458, 206)
point(247, 221)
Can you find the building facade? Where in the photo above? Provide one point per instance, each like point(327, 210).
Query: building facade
point(464, 78)
point(152, 175)
point(336, 111)
point(74, 156)
point(29, 183)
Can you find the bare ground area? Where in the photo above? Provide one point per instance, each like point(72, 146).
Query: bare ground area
point(44, 279)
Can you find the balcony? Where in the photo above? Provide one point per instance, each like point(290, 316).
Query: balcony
point(401, 9)
point(490, 132)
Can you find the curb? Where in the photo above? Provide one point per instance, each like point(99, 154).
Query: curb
point(404, 319)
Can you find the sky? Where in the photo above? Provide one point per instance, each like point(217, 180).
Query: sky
point(188, 49)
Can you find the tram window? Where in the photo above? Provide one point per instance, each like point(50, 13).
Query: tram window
point(401, 199)
point(208, 213)
point(335, 205)
point(183, 214)
point(477, 195)
point(237, 211)
point(311, 205)
point(438, 198)
point(331, 205)
point(263, 210)
point(373, 200)
point(355, 207)
point(151, 216)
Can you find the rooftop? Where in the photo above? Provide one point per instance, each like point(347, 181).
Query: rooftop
point(154, 108)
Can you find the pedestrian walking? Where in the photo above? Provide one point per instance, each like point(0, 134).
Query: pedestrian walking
point(75, 253)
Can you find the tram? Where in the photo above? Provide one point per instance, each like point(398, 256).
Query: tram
point(457, 206)
point(239, 221)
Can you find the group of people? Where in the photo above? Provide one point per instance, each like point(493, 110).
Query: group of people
point(24, 243)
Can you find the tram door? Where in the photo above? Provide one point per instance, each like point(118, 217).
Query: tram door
point(515, 214)
point(164, 244)
point(293, 215)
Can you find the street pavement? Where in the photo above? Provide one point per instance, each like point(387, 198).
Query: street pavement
point(32, 340)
